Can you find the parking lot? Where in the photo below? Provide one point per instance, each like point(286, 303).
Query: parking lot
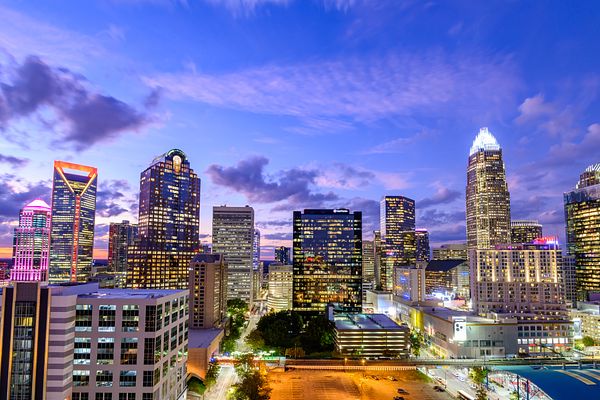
point(334, 385)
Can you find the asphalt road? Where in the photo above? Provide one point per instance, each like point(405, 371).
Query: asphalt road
point(227, 377)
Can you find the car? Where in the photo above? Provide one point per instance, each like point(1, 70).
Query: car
point(402, 391)
point(398, 398)
point(438, 388)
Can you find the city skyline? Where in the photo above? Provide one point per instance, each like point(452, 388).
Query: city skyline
point(412, 143)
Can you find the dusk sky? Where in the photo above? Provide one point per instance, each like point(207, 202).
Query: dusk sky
point(286, 105)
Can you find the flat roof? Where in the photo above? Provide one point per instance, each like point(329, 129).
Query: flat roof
point(561, 384)
point(130, 293)
point(202, 338)
point(365, 322)
point(448, 313)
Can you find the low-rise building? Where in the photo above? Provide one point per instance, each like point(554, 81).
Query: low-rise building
point(409, 283)
point(203, 345)
point(370, 335)
point(587, 316)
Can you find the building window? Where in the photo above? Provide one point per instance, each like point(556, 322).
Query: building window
point(173, 337)
point(129, 351)
point(106, 318)
point(131, 318)
point(103, 396)
point(83, 318)
point(148, 379)
point(106, 351)
point(127, 378)
point(156, 376)
point(126, 396)
point(147, 396)
point(82, 350)
point(81, 378)
point(104, 378)
point(149, 344)
point(81, 396)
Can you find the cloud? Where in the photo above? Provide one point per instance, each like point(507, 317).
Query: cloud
point(370, 211)
point(109, 196)
point(399, 145)
point(246, 7)
point(84, 117)
point(274, 224)
point(533, 108)
point(450, 234)
point(585, 150)
point(442, 195)
point(352, 90)
point(278, 236)
point(248, 178)
point(15, 193)
point(13, 161)
point(432, 217)
point(343, 176)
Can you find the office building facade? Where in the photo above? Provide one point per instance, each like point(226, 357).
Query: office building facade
point(582, 215)
point(73, 217)
point(449, 278)
point(399, 248)
point(233, 238)
point(423, 252)
point(450, 252)
point(281, 280)
point(121, 235)
point(409, 283)
point(488, 199)
point(327, 260)
point(208, 291)
point(169, 224)
point(525, 231)
point(282, 255)
point(31, 243)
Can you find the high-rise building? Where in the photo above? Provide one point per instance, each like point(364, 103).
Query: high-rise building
point(521, 280)
point(525, 231)
point(422, 245)
point(31, 243)
point(168, 224)
point(409, 283)
point(327, 260)
point(368, 267)
point(488, 200)
point(208, 291)
point(582, 214)
point(73, 216)
point(397, 236)
point(279, 297)
point(282, 255)
point(233, 238)
point(450, 252)
point(568, 277)
point(256, 250)
point(448, 278)
point(121, 235)
point(378, 251)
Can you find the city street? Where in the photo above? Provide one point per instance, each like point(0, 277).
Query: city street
point(227, 377)
point(455, 379)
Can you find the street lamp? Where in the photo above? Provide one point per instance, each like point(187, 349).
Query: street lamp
point(345, 359)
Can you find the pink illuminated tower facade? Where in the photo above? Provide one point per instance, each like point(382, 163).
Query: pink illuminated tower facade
point(31, 243)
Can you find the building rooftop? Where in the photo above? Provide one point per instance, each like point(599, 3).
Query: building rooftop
point(449, 314)
point(207, 258)
point(484, 141)
point(92, 291)
point(365, 322)
point(443, 265)
point(202, 338)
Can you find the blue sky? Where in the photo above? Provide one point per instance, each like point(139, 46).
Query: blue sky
point(285, 104)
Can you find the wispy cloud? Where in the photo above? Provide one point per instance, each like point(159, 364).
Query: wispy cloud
point(398, 145)
point(354, 90)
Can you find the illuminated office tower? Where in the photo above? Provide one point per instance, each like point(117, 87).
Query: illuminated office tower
point(327, 260)
point(525, 231)
point(488, 200)
point(282, 255)
point(31, 243)
point(168, 224)
point(256, 250)
point(279, 296)
point(73, 216)
point(368, 267)
point(397, 236)
point(208, 291)
point(121, 236)
point(582, 213)
point(377, 257)
point(233, 238)
point(422, 245)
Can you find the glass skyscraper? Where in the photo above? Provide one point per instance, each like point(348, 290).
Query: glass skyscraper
point(422, 243)
point(282, 255)
point(525, 231)
point(73, 216)
point(327, 260)
point(233, 237)
point(582, 214)
point(488, 200)
point(31, 243)
point(168, 224)
point(121, 235)
point(399, 247)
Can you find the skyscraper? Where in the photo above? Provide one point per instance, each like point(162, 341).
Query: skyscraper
point(282, 255)
point(256, 250)
point(31, 243)
point(582, 214)
point(73, 216)
point(233, 238)
point(397, 235)
point(450, 252)
point(525, 231)
point(422, 244)
point(327, 260)
point(488, 200)
point(169, 224)
point(368, 267)
point(121, 235)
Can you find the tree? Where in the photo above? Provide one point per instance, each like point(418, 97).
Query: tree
point(253, 383)
point(588, 341)
point(318, 335)
point(514, 395)
point(416, 342)
point(255, 340)
point(211, 374)
point(477, 376)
